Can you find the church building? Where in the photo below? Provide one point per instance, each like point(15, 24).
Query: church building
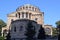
point(21, 17)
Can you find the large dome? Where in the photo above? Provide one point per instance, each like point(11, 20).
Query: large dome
point(28, 7)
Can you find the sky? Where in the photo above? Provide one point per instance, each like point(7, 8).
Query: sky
point(51, 9)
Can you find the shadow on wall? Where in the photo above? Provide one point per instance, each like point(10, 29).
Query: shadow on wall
point(30, 31)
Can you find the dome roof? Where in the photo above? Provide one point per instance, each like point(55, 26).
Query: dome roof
point(28, 7)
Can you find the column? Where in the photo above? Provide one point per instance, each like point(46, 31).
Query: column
point(28, 15)
point(21, 15)
point(2, 32)
point(24, 14)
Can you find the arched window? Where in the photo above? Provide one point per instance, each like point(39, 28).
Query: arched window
point(48, 31)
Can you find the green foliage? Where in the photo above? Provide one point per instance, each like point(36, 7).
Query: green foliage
point(2, 38)
point(55, 32)
point(58, 23)
point(58, 28)
point(2, 23)
point(30, 31)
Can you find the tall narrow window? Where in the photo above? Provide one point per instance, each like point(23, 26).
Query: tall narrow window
point(14, 29)
point(22, 14)
point(26, 14)
point(29, 15)
point(19, 15)
point(21, 28)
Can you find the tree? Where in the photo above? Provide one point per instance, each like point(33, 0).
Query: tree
point(2, 38)
point(58, 28)
point(2, 24)
point(54, 31)
point(30, 31)
point(41, 34)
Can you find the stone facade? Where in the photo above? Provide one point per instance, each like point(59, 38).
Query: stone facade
point(18, 29)
point(27, 12)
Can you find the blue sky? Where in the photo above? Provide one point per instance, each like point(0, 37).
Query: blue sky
point(51, 8)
